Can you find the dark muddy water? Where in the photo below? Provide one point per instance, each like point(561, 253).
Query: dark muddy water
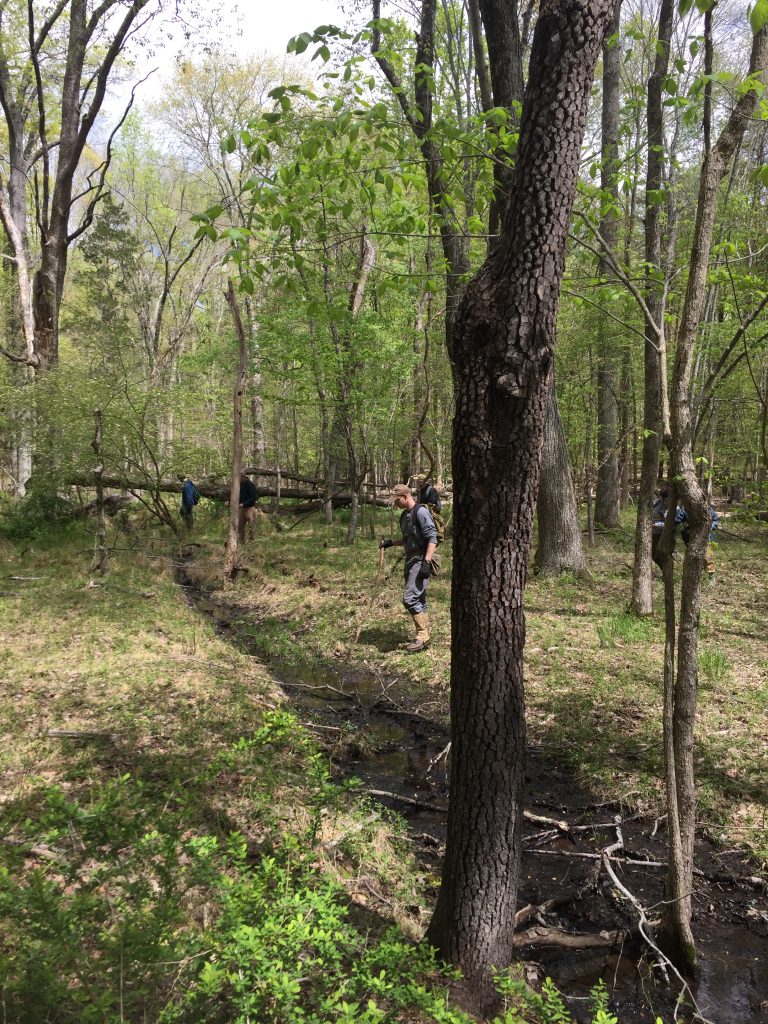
point(400, 753)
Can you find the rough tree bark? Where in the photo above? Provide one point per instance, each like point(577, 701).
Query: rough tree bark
point(559, 546)
point(559, 535)
point(655, 350)
point(503, 345)
point(676, 933)
point(607, 490)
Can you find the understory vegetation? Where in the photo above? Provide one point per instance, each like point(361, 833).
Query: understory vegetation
point(175, 846)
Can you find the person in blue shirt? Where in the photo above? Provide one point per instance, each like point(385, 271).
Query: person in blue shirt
point(660, 507)
point(189, 498)
point(419, 538)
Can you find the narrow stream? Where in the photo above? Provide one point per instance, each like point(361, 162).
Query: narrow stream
point(400, 753)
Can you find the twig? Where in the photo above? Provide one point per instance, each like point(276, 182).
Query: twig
point(324, 686)
point(540, 819)
point(357, 827)
point(46, 852)
point(419, 804)
point(646, 932)
point(75, 734)
point(437, 759)
point(533, 910)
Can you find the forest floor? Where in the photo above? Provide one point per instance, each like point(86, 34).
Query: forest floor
point(129, 704)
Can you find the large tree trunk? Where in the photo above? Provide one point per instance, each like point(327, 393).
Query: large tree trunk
point(503, 344)
point(607, 491)
point(559, 535)
point(655, 349)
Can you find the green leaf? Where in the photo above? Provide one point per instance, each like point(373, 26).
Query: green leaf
point(230, 144)
point(300, 42)
point(758, 15)
point(246, 285)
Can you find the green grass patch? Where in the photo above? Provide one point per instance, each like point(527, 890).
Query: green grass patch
point(623, 628)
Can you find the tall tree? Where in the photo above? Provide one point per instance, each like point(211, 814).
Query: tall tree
point(418, 114)
point(503, 347)
point(559, 547)
point(92, 38)
point(607, 491)
point(654, 398)
point(680, 679)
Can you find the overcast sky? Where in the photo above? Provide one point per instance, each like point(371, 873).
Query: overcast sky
point(269, 24)
point(244, 26)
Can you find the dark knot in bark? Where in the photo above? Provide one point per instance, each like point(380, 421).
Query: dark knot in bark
point(510, 384)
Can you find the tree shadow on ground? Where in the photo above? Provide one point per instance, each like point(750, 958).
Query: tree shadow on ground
point(383, 638)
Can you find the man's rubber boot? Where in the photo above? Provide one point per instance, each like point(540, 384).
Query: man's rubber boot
point(421, 643)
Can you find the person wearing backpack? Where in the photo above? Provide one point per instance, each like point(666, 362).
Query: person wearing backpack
point(427, 493)
point(189, 498)
point(419, 538)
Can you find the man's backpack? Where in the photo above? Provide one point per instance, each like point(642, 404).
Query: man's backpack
point(195, 495)
point(437, 519)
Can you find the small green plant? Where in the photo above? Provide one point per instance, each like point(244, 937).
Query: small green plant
point(714, 666)
point(548, 1006)
point(622, 629)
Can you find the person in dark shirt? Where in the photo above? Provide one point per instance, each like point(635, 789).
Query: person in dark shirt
point(248, 498)
point(660, 509)
point(189, 498)
point(419, 538)
point(427, 493)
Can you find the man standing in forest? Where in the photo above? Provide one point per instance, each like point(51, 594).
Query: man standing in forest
point(660, 508)
point(419, 540)
point(189, 498)
point(248, 498)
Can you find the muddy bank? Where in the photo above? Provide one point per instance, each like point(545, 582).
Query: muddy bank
point(374, 730)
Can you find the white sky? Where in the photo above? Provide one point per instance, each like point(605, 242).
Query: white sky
point(245, 27)
point(261, 25)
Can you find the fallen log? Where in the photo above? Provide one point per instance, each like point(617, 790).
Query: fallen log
point(213, 489)
point(569, 940)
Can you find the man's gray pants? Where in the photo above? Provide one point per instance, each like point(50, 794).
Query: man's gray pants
point(415, 593)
